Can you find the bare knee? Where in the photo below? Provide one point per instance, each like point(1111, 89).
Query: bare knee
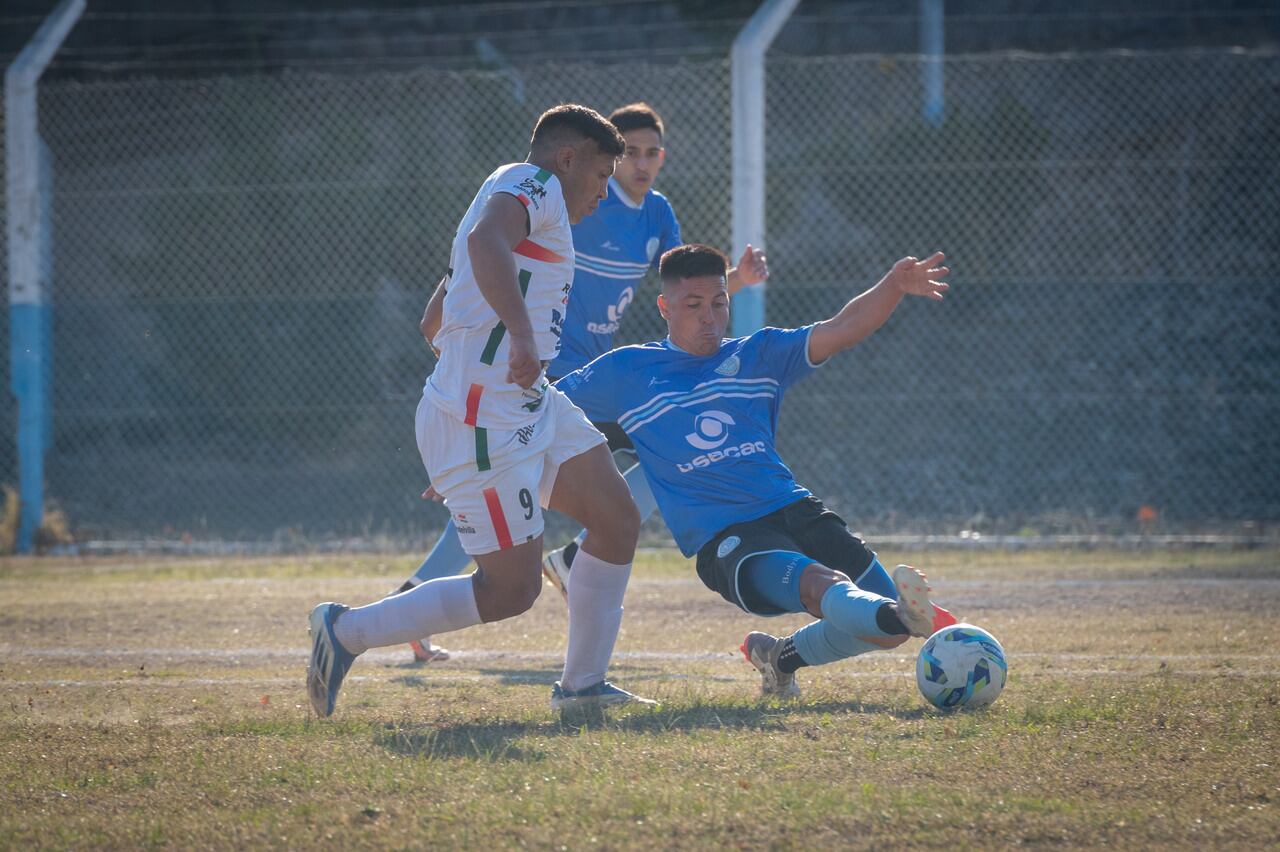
point(623, 520)
point(525, 593)
point(613, 530)
point(496, 601)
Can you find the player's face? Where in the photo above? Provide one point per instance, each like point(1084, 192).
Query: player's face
point(584, 179)
point(697, 313)
point(639, 166)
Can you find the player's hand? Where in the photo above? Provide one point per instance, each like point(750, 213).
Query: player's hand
point(523, 365)
point(921, 277)
point(432, 494)
point(752, 267)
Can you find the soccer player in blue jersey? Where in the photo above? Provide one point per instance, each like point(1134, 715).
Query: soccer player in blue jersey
point(703, 422)
point(613, 249)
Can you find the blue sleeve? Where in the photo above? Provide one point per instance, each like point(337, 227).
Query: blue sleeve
point(670, 237)
point(786, 352)
point(594, 389)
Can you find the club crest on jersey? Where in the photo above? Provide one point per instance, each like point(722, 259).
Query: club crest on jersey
point(535, 395)
point(730, 366)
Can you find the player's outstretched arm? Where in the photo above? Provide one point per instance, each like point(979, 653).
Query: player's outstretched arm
point(867, 312)
point(752, 268)
point(502, 226)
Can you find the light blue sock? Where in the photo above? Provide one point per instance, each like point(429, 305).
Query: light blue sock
point(445, 559)
point(848, 612)
point(876, 579)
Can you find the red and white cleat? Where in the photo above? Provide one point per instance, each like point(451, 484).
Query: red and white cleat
point(425, 652)
point(915, 610)
point(942, 618)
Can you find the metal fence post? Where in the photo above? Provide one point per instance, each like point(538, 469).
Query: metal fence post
point(27, 184)
point(747, 60)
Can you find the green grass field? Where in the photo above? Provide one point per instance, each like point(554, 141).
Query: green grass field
point(161, 704)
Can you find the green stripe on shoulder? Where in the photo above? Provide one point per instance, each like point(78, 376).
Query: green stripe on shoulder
point(542, 176)
point(525, 275)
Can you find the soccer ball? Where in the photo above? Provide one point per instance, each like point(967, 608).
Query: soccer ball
point(961, 666)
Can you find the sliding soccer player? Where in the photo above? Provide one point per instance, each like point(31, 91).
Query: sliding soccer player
point(703, 421)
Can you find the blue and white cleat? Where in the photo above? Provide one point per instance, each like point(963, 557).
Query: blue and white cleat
point(602, 694)
point(329, 660)
point(556, 570)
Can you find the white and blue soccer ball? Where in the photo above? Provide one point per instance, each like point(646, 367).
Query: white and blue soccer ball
point(961, 666)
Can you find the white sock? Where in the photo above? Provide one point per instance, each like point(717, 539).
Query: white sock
point(436, 606)
point(596, 589)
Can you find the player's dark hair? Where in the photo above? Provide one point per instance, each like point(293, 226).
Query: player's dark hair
point(691, 261)
point(637, 116)
point(581, 121)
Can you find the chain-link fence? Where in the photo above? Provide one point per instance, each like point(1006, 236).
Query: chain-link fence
point(240, 265)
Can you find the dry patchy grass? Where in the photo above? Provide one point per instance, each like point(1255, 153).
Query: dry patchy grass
point(160, 703)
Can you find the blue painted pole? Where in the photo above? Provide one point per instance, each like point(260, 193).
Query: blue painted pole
point(29, 344)
point(932, 48)
point(29, 228)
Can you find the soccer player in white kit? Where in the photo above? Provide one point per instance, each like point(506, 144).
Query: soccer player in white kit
point(494, 435)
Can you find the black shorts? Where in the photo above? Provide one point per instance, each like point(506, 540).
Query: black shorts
point(618, 439)
point(805, 526)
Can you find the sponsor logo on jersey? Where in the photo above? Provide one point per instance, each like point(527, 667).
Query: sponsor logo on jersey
point(624, 299)
point(710, 430)
point(614, 312)
point(534, 190)
point(748, 448)
point(524, 434)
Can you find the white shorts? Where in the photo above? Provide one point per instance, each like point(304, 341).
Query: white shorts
point(495, 482)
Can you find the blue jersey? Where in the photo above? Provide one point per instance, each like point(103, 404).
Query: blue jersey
point(613, 248)
point(703, 427)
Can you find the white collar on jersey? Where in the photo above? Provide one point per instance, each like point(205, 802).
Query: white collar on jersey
point(622, 194)
point(671, 344)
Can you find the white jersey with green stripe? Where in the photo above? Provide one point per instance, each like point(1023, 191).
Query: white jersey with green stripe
point(470, 382)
